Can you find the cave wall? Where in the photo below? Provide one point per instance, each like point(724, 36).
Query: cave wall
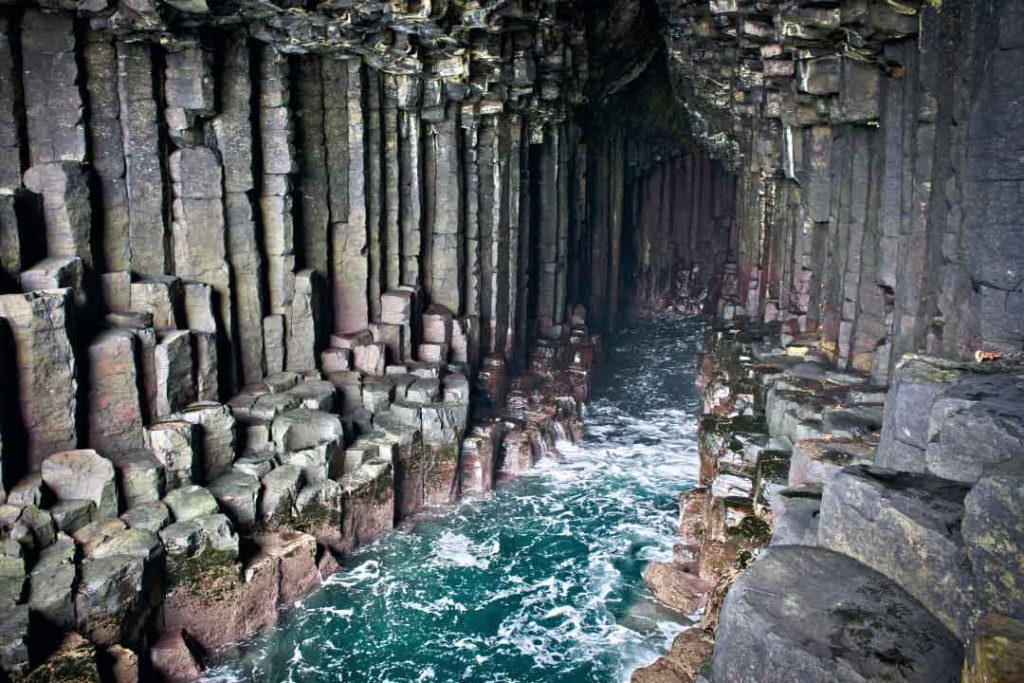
point(877, 156)
point(259, 176)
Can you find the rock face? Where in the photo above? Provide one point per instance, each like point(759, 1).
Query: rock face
point(806, 614)
point(907, 527)
point(871, 573)
point(297, 255)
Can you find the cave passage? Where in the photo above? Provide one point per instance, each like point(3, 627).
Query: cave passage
point(540, 581)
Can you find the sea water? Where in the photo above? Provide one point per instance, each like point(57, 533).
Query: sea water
point(540, 580)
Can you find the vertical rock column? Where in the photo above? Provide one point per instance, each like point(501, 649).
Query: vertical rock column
point(472, 276)
point(308, 101)
point(144, 174)
point(346, 164)
point(46, 384)
point(490, 221)
point(411, 192)
point(441, 185)
point(278, 163)
point(56, 132)
point(233, 131)
point(507, 292)
point(10, 162)
point(308, 318)
point(391, 231)
point(549, 230)
point(200, 249)
point(374, 191)
point(106, 150)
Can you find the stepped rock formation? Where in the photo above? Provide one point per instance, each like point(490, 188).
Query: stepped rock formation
point(276, 275)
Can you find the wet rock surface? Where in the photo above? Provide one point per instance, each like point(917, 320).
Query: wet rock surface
point(878, 568)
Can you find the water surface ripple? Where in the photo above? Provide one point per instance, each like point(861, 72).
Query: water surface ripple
point(539, 581)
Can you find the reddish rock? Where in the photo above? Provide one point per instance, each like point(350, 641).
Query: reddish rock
point(224, 605)
point(172, 659)
point(295, 554)
point(680, 663)
point(677, 585)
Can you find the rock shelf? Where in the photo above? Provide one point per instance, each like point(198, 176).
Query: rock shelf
point(815, 553)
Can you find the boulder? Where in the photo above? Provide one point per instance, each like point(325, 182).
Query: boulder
point(732, 486)
point(83, 475)
point(336, 360)
point(301, 429)
point(403, 445)
point(237, 493)
point(976, 427)
point(93, 534)
point(72, 515)
point(109, 597)
point(438, 424)
point(148, 516)
point(281, 382)
point(441, 472)
point(256, 463)
point(905, 526)
point(396, 307)
point(437, 325)
point(808, 614)
point(190, 502)
point(172, 444)
point(199, 549)
point(854, 422)
point(314, 462)
point(141, 476)
point(12, 571)
point(175, 368)
point(681, 663)
point(795, 516)
point(319, 513)
point(350, 387)
point(918, 382)
point(370, 359)
point(51, 584)
point(994, 539)
point(476, 473)
point(423, 391)
point(216, 436)
point(119, 665)
point(115, 412)
point(47, 384)
point(315, 394)
point(28, 491)
point(377, 393)
point(278, 495)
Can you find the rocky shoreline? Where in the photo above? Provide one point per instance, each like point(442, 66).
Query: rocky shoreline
point(138, 568)
point(842, 530)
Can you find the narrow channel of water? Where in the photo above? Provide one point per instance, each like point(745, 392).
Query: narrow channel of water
point(539, 581)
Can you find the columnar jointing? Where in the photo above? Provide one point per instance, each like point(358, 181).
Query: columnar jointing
point(253, 265)
point(869, 199)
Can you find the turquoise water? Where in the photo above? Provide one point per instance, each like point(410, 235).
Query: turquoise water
point(539, 581)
